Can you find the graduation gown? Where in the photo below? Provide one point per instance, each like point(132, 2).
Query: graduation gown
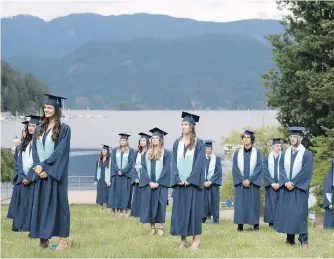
point(23, 200)
point(247, 199)
point(51, 212)
point(211, 194)
point(119, 196)
point(271, 196)
point(292, 210)
point(154, 201)
point(329, 189)
point(11, 209)
point(101, 186)
point(137, 192)
point(187, 211)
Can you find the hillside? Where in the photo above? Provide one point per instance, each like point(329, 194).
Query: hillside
point(25, 34)
point(200, 72)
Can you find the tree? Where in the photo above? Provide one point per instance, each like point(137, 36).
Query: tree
point(303, 87)
point(7, 165)
point(323, 155)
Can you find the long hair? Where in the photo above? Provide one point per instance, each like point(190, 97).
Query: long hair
point(140, 148)
point(107, 159)
point(56, 128)
point(155, 151)
point(192, 133)
point(27, 139)
point(24, 130)
point(126, 148)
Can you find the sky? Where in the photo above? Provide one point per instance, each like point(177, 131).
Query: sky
point(202, 10)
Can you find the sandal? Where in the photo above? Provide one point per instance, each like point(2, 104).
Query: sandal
point(197, 247)
point(152, 231)
point(186, 245)
point(161, 232)
point(62, 245)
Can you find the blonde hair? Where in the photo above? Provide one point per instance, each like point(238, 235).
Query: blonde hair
point(155, 151)
point(123, 149)
point(192, 133)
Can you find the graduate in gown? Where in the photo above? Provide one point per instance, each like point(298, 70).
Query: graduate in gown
point(51, 151)
point(296, 167)
point(23, 199)
point(247, 176)
point(103, 176)
point(139, 156)
point(271, 181)
point(11, 209)
point(156, 177)
point(122, 162)
point(213, 181)
point(188, 160)
point(329, 198)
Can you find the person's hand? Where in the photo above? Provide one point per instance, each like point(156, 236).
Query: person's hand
point(151, 185)
point(25, 182)
point(181, 183)
point(246, 183)
point(331, 206)
point(137, 181)
point(38, 169)
point(108, 184)
point(43, 175)
point(186, 183)
point(156, 185)
point(120, 173)
point(138, 166)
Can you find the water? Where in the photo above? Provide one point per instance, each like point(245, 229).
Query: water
point(89, 129)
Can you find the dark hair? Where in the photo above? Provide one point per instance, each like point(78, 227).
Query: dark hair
point(107, 158)
point(251, 136)
point(56, 128)
point(27, 139)
point(140, 148)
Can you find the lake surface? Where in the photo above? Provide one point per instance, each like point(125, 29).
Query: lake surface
point(91, 128)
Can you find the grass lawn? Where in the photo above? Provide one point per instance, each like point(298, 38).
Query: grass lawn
point(100, 234)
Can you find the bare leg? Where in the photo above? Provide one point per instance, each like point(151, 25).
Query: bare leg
point(62, 244)
point(183, 242)
point(152, 229)
point(195, 244)
point(161, 231)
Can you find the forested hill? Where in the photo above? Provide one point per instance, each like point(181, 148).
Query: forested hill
point(144, 61)
point(24, 94)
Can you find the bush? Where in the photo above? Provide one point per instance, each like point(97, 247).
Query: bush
point(7, 165)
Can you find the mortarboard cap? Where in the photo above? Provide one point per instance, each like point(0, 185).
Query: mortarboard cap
point(144, 135)
point(54, 100)
point(191, 118)
point(34, 119)
point(25, 122)
point(297, 131)
point(208, 143)
point(124, 135)
point(249, 132)
point(276, 141)
point(105, 146)
point(158, 132)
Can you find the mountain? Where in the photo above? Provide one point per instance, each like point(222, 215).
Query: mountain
point(25, 34)
point(209, 71)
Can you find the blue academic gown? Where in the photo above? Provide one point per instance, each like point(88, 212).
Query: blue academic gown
point(271, 197)
point(23, 198)
point(11, 209)
point(188, 201)
point(137, 192)
point(51, 212)
point(329, 188)
point(119, 196)
point(154, 201)
point(292, 210)
point(211, 194)
point(101, 186)
point(247, 199)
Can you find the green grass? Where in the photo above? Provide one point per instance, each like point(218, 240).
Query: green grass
point(100, 234)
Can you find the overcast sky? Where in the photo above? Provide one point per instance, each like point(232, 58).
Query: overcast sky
point(203, 10)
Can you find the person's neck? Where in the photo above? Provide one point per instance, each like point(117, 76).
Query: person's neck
point(104, 158)
point(248, 146)
point(275, 153)
point(52, 121)
point(295, 146)
point(144, 149)
point(187, 136)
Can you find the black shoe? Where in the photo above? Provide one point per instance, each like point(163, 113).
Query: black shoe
point(203, 220)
